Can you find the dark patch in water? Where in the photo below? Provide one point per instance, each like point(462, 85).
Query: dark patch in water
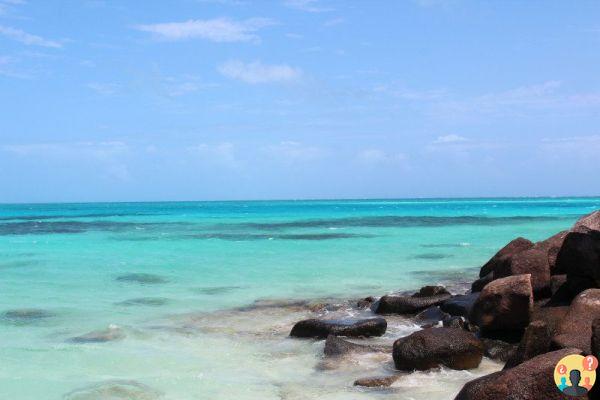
point(144, 301)
point(217, 290)
point(26, 315)
point(262, 236)
point(444, 245)
point(115, 390)
point(110, 334)
point(142, 278)
point(432, 256)
point(448, 275)
point(73, 227)
point(70, 216)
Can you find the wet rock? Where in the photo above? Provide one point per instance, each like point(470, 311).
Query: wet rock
point(504, 307)
point(431, 316)
point(26, 315)
point(505, 254)
point(590, 221)
point(533, 261)
point(530, 380)
point(479, 284)
point(145, 301)
point(455, 322)
point(377, 381)
point(575, 330)
point(111, 334)
point(142, 279)
point(535, 341)
point(579, 258)
point(460, 305)
point(430, 348)
point(498, 349)
point(321, 328)
point(399, 304)
point(115, 390)
point(366, 302)
point(336, 346)
point(428, 291)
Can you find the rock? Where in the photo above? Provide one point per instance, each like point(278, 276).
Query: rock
point(551, 247)
point(336, 346)
point(556, 281)
point(455, 322)
point(115, 390)
point(144, 301)
point(428, 291)
point(110, 334)
point(532, 261)
point(321, 328)
point(430, 348)
point(531, 380)
point(377, 381)
point(459, 305)
point(551, 316)
point(142, 278)
point(590, 221)
point(505, 254)
point(26, 315)
point(398, 304)
point(504, 307)
point(579, 258)
point(366, 302)
point(498, 349)
point(596, 337)
point(480, 283)
point(535, 341)
point(575, 330)
point(431, 316)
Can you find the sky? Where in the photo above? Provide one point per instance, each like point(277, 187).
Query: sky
point(291, 99)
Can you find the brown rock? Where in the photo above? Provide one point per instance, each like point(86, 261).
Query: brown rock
point(498, 349)
point(505, 254)
point(336, 346)
point(479, 284)
point(377, 381)
point(321, 328)
point(590, 221)
point(535, 341)
point(399, 304)
point(531, 380)
point(579, 258)
point(575, 330)
point(551, 246)
point(430, 348)
point(533, 261)
point(551, 316)
point(428, 291)
point(504, 306)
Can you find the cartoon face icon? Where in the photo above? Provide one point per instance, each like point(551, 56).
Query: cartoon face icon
point(575, 374)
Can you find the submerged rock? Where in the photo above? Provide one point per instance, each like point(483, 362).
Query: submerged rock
point(142, 278)
point(504, 307)
point(430, 348)
point(26, 315)
point(112, 333)
point(575, 329)
point(377, 381)
point(351, 327)
point(530, 380)
point(336, 346)
point(115, 390)
point(145, 301)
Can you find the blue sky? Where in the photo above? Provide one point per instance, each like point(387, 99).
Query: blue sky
point(236, 99)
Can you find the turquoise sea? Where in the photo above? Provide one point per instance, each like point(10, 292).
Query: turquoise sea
point(197, 298)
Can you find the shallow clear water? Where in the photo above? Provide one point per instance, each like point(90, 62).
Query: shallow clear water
point(170, 278)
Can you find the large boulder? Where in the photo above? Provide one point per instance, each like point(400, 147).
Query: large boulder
point(551, 247)
point(579, 258)
point(551, 316)
point(532, 261)
point(531, 380)
point(400, 304)
point(430, 348)
point(535, 341)
point(336, 347)
point(321, 328)
point(479, 284)
point(590, 221)
point(505, 254)
point(575, 330)
point(459, 305)
point(504, 307)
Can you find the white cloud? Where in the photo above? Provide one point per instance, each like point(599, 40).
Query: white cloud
point(257, 72)
point(27, 38)
point(333, 22)
point(216, 30)
point(375, 156)
point(312, 6)
point(105, 89)
point(449, 139)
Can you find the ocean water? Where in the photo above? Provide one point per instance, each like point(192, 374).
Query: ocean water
point(197, 298)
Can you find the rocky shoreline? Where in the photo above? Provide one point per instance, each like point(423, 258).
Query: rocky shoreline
point(533, 304)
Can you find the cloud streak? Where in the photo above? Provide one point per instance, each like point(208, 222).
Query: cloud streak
point(256, 72)
point(220, 30)
point(27, 38)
